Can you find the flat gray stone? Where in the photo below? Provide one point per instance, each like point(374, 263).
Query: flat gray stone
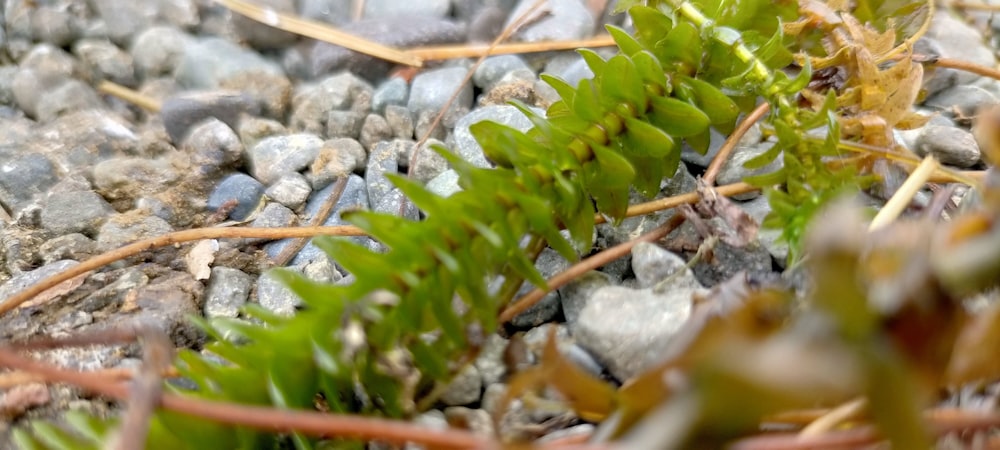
point(280, 155)
point(950, 145)
point(227, 292)
point(466, 145)
point(75, 212)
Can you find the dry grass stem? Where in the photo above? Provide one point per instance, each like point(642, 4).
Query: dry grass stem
point(727, 147)
point(129, 95)
point(320, 31)
point(901, 199)
point(468, 51)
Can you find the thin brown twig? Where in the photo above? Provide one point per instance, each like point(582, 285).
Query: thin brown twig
point(958, 64)
point(727, 147)
point(146, 390)
point(267, 419)
point(325, 209)
point(130, 95)
point(591, 263)
point(974, 6)
point(170, 239)
point(689, 198)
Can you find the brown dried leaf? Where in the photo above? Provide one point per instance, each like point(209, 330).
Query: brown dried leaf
point(974, 357)
point(986, 129)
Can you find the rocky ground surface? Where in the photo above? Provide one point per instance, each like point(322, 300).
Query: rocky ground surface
point(256, 125)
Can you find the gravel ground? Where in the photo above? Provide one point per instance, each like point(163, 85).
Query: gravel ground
point(256, 126)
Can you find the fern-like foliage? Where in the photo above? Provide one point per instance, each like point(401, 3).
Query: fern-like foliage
point(419, 311)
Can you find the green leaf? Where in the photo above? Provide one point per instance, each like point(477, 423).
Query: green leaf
point(647, 140)
point(721, 110)
point(565, 91)
point(628, 44)
point(593, 60)
point(700, 142)
point(621, 82)
point(651, 25)
point(650, 70)
point(681, 47)
point(587, 103)
point(676, 117)
point(615, 169)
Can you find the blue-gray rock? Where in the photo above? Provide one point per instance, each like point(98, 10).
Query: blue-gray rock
point(24, 177)
point(382, 160)
point(167, 304)
point(389, 8)
point(334, 12)
point(950, 37)
point(429, 164)
point(444, 184)
point(629, 330)
point(246, 191)
point(374, 130)
point(227, 292)
point(103, 60)
point(313, 59)
point(19, 282)
point(158, 50)
point(75, 212)
point(950, 145)
point(290, 190)
point(431, 90)
point(574, 295)
point(758, 209)
point(273, 295)
point(465, 387)
point(466, 146)
point(567, 20)
point(68, 97)
point(490, 360)
point(179, 112)
point(86, 138)
point(180, 13)
point(119, 178)
point(252, 130)
point(495, 67)
point(344, 124)
point(576, 72)
point(213, 147)
point(393, 202)
point(312, 104)
point(337, 157)
point(272, 216)
point(260, 35)
point(965, 98)
point(157, 207)
point(549, 263)
point(486, 24)
point(400, 121)
point(127, 228)
point(207, 62)
point(73, 246)
point(124, 18)
point(653, 265)
point(355, 196)
point(271, 92)
point(6, 85)
point(467, 9)
point(393, 91)
point(55, 25)
point(279, 155)
point(728, 260)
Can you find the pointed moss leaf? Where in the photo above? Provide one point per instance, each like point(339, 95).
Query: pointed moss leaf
point(25, 440)
point(682, 46)
point(774, 52)
point(325, 358)
point(52, 436)
point(676, 117)
point(622, 82)
point(650, 69)
point(648, 140)
point(615, 169)
point(651, 25)
point(90, 427)
point(565, 91)
point(767, 179)
point(721, 110)
point(356, 259)
point(612, 201)
point(764, 159)
point(700, 142)
point(626, 43)
point(581, 226)
point(648, 175)
point(496, 143)
point(593, 60)
point(587, 104)
point(427, 201)
point(447, 318)
point(430, 361)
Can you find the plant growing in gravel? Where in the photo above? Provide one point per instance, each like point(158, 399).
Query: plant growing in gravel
point(418, 313)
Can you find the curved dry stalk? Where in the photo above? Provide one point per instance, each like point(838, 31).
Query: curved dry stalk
point(129, 95)
point(442, 52)
point(269, 419)
point(170, 239)
point(835, 417)
point(897, 204)
point(727, 147)
point(690, 198)
point(591, 263)
point(958, 64)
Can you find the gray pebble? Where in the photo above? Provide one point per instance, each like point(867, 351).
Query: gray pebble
point(374, 130)
point(444, 184)
point(490, 360)
point(390, 8)
point(180, 112)
point(549, 264)
point(312, 104)
point(124, 18)
point(272, 216)
point(400, 121)
point(466, 145)
point(252, 130)
point(967, 99)
point(119, 178)
point(86, 138)
point(167, 304)
point(227, 292)
point(207, 62)
point(125, 229)
point(951, 146)
point(653, 264)
point(574, 296)
point(260, 35)
point(273, 295)
point(432, 89)
point(103, 60)
point(567, 20)
point(495, 67)
point(427, 119)
point(73, 246)
point(465, 387)
point(733, 171)
point(337, 157)
point(23, 178)
point(75, 212)
point(246, 191)
point(213, 147)
point(180, 13)
point(393, 202)
point(344, 124)
point(628, 330)
point(278, 155)
point(54, 25)
point(382, 159)
point(66, 98)
point(19, 282)
point(429, 164)
point(272, 92)
point(950, 37)
point(158, 50)
point(290, 190)
point(334, 12)
point(393, 91)
point(758, 209)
